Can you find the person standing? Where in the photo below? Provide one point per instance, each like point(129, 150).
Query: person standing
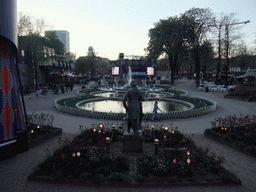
point(155, 110)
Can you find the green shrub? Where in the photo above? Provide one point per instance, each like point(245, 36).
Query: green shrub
point(98, 179)
point(120, 164)
point(119, 177)
point(85, 176)
point(140, 179)
point(145, 165)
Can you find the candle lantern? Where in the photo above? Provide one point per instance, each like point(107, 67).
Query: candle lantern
point(101, 126)
point(107, 140)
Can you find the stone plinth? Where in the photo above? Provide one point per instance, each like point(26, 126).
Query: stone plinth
point(132, 143)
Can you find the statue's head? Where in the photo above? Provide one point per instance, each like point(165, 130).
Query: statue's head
point(134, 83)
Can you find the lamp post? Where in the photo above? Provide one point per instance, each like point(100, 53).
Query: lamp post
point(156, 141)
point(108, 144)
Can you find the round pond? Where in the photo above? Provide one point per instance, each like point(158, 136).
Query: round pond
point(115, 106)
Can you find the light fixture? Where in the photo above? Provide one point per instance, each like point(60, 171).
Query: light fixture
point(107, 140)
point(166, 128)
point(113, 126)
point(94, 130)
point(156, 141)
point(32, 131)
point(100, 125)
point(78, 154)
point(174, 161)
point(38, 127)
point(188, 153)
point(188, 161)
point(73, 154)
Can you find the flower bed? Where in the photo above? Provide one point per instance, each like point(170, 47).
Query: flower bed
point(95, 157)
point(40, 128)
point(237, 132)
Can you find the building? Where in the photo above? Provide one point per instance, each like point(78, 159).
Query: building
point(139, 68)
point(64, 37)
point(90, 51)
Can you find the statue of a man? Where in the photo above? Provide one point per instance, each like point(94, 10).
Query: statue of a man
point(132, 104)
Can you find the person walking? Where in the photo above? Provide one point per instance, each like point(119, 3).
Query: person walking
point(156, 108)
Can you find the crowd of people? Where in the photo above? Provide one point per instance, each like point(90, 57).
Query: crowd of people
point(44, 90)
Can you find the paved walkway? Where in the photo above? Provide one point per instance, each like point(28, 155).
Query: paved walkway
point(14, 171)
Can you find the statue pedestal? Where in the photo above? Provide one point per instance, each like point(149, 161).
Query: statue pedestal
point(132, 143)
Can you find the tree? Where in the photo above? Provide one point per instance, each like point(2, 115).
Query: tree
point(102, 64)
point(54, 42)
point(207, 55)
point(165, 38)
point(29, 25)
point(31, 41)
point(85, 65)
point(197, 23)
point(163, 64)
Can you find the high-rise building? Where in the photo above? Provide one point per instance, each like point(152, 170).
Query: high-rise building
point(63, 36)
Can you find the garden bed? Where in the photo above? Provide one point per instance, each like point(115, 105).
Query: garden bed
point(236, 132)
point(53, 132)
point(40, 128)
point(95, 158)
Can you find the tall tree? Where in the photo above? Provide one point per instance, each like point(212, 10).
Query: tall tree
point(85, 65)
point(207, 55)
point(197, 24)
point(30, 40)
point(165, 38)
point(54, 42)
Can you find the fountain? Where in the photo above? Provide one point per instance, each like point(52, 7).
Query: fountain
point(129, 76)
point(107, 103)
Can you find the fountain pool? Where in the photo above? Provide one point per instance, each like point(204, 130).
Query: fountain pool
point(116, 106)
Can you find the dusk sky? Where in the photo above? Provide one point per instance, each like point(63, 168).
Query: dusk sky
point(121, 26)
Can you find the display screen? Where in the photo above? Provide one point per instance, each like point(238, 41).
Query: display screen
point(115, 70)
point(150, 71)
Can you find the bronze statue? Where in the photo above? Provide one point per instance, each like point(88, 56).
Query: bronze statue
point(132, 104)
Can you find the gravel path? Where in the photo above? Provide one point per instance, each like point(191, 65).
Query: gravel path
point(14, 171)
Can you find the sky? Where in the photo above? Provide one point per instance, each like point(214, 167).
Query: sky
point(121, 26)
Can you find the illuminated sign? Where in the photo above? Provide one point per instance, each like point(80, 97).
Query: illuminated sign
point(115, 70)
point(150, 71)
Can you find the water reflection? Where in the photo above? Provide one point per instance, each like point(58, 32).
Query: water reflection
point(118, 94)
point(117, 106)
